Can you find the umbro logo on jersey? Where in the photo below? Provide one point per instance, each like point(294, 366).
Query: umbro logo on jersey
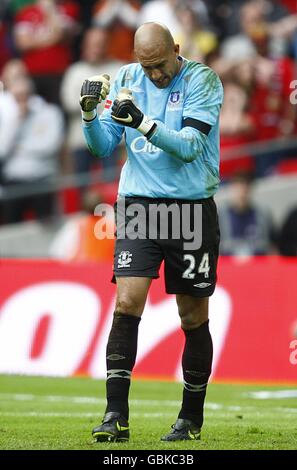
point(202, 285)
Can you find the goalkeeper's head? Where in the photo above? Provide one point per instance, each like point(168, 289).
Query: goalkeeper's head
point(157, 53)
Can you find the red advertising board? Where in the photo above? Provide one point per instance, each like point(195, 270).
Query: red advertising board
point(55, 319)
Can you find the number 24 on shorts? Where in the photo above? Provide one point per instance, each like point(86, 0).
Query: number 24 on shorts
point(203, 266)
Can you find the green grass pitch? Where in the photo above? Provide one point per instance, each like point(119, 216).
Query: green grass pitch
point(54, 413)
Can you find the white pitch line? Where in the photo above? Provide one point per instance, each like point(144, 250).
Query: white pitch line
point(215, 407)
point(288, 413)
point(35, 414)
point(287, 410)
point(102, 401)
point(93, 400)
point(272, 394)
point(80, 400)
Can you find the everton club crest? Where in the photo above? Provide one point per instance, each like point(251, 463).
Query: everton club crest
point(174, 97)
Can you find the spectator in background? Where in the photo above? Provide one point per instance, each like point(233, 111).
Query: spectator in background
point(196, 42)
point(252, 25)
point(258, 33)
point(120, 17)
point(31, 133)
point(76, 241)
point(4, 4)
point(13, 70)
point(291, 5)
point(273, 113)
point(5, 45)
point(236, 128)
point(43, 34)
point(16, 5)
point(165, 11)
point(268, 83)
point(225, 14)
point(246, 229)
point(287, 241)
point(94, 61)
point(86, 11)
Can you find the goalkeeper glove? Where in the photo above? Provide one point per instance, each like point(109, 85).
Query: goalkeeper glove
point(124, 111)
point(93, 91)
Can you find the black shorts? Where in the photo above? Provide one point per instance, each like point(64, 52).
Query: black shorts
point(145, 239)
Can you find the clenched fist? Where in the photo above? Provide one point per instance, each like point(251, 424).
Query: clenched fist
point(93, 91)
point(125, 111)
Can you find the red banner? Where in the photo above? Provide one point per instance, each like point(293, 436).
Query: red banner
point(55, 320)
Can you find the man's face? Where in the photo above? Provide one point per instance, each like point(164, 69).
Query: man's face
point(241, 192)
point(94, 46)
point(160, 66)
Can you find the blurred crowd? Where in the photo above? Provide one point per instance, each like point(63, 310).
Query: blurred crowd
point(48, 47)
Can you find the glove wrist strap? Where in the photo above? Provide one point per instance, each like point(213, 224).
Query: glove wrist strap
point(89, 115)
point(147, 126)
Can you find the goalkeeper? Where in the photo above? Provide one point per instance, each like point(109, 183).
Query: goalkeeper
point(168, 108)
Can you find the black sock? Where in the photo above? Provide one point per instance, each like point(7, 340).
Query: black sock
point(120, 359)
point(196, 362)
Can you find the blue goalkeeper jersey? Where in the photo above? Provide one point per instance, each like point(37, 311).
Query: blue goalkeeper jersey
point(187, 117)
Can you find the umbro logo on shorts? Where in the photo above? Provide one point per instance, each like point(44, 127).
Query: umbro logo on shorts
point(202, 285)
